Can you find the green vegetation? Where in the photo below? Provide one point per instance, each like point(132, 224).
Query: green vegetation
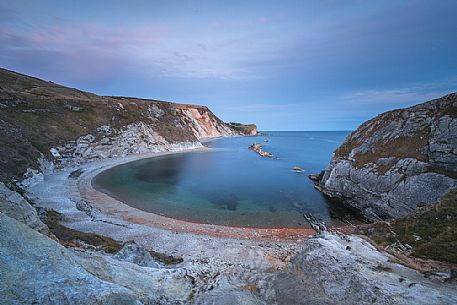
point(65, 234)
point(412, 146)
point(166, 259)
point(36, 115)
point(432, 234)
point(402, 147)
point(244, 128)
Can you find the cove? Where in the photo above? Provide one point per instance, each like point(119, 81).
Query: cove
point(231, 185)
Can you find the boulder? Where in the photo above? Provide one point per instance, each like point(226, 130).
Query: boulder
point(134, 253)
point(298, 169)
point(15, 206)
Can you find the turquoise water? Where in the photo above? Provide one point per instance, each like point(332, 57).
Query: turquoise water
point(231, 185)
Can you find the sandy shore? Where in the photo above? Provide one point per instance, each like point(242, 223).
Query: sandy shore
point(88, 210)
point(234, 260)
point(112, 207)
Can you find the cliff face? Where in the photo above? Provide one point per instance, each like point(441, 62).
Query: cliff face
point(399, 161)
point(43, 120)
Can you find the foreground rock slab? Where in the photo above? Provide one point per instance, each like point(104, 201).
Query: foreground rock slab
point(15, 206)
point(330, 268)
point(37, 270)
point(341, 269)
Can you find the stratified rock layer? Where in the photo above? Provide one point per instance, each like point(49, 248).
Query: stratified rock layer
point(399, 161)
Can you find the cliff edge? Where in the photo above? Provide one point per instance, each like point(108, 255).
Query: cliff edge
point(398, 162)
point(43, 124)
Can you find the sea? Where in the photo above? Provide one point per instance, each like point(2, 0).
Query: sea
point(233, 186)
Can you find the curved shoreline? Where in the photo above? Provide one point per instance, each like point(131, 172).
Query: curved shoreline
point(113, 207)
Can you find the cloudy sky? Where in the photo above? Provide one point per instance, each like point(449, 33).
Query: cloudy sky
point(285, 65)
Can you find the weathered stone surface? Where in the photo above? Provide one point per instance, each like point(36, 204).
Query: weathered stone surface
point(15, 206)
point(397, 161)
point(339, 269)
point(134, 253)
point(229, 297)
point(135, 138)
point(36, 270)
point(203, 123)
point(443, 143)
point(147, 285)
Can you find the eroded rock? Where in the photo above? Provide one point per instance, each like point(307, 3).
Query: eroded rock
point(397, 161)
point(257, 148)
point(15, 206)
point(134, 253)
point(340, 269)
point(36, 269)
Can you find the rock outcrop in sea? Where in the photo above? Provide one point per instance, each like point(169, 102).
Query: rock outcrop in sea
point(400, 161)
point(258, 148)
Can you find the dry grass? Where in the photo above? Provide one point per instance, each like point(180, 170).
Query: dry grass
point(66, 235)
point(71, 237)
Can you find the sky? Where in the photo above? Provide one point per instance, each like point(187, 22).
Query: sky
point(284, 65)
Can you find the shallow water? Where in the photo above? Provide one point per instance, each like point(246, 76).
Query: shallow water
point(231, 185)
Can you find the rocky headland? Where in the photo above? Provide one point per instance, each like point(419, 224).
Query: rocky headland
point(398, 162)
point(400, 170)
point(45, 125)
point(62, 242)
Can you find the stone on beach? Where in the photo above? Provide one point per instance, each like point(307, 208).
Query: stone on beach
point(134, 253)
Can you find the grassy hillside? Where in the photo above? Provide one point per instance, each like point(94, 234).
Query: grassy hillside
point(36, 115)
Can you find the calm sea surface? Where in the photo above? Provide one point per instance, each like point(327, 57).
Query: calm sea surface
point(231, 185)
